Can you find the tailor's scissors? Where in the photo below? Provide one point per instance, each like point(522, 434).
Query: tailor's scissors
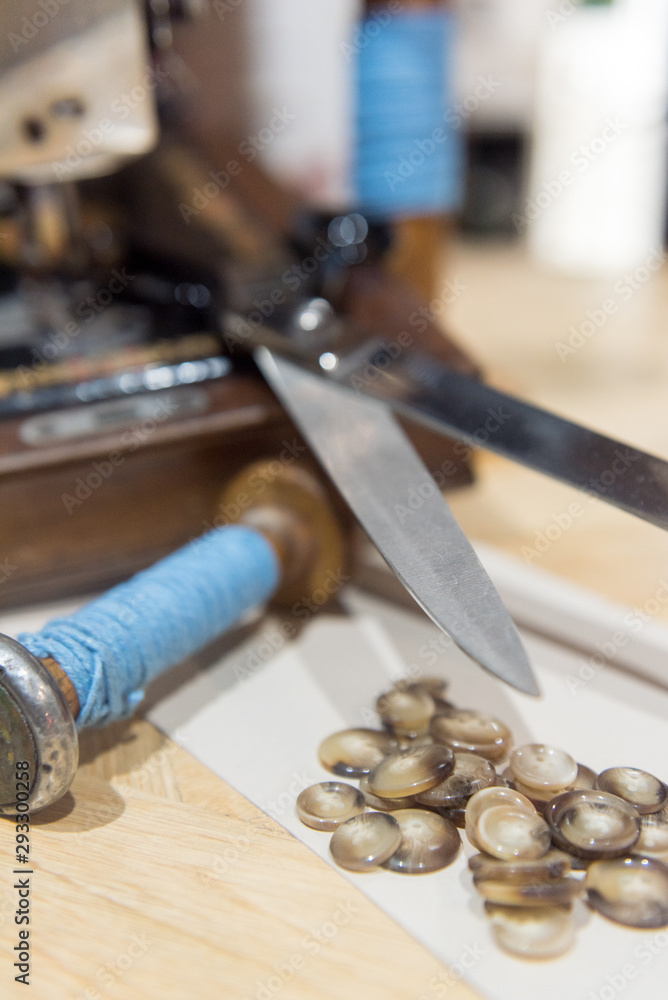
point(343, 389)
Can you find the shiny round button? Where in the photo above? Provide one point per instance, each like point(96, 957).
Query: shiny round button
point(647, 793)
point(328, 804)
point(472, 732)
point(428, 842)
point(543, 767)
point(631, 891)
point(365, 841)
point(354, 752)
point(411, 771)
point(592, 824)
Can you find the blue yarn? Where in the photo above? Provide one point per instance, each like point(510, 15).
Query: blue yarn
point(409, 158)
point(115, 645)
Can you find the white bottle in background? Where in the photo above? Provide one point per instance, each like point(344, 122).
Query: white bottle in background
point(596, 195)
point(301, 55)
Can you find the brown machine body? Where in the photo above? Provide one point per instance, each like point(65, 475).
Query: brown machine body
point(84, 511)
point(67, 529)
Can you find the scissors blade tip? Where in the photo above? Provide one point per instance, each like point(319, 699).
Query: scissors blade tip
point(500, 652)
point(515, 670)
point(527, 683)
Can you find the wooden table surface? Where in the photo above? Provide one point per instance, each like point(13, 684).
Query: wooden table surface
point(521, 324)
point(153, 878)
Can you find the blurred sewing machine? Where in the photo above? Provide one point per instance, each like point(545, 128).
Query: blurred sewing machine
point(124, 234)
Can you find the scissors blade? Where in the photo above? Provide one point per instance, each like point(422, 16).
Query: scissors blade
point(395, 499)
point(462, 407)
point(420, 386)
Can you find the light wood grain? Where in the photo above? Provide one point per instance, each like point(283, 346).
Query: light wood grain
point(512, 316)
point(155, 879)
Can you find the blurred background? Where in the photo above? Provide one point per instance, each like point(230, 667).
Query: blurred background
point(534, 90)
point(507, 159)
point(549, 270)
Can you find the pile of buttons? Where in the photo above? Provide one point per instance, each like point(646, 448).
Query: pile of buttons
point(549, 830)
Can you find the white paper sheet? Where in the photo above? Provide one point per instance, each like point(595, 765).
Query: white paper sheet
point(258, 714)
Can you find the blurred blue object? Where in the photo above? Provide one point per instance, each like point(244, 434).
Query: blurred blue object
point(409, 153)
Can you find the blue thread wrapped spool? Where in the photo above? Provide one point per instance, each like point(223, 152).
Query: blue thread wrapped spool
point(94, 664)
point(114, 646)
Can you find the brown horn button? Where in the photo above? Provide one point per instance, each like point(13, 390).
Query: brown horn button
point(329, 804)
point(365, 841)
point(428, 842)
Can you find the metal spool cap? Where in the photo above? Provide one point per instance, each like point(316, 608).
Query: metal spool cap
point(36, 726)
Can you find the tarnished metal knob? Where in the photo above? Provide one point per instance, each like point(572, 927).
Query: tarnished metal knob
point(36, 726)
